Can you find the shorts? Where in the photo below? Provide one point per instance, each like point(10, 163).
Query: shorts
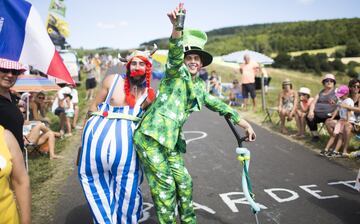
point(248, 88)
point(59, 110)
point(339, 127)
point(69, 114)
point(90, 83)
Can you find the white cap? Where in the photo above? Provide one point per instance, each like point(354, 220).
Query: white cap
point(66, 90)
point(305, 90)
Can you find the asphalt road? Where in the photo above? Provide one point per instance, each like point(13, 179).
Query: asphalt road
point(292, 184)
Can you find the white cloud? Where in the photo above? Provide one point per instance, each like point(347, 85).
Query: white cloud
point(123, 23)
point(110, 26)
point(105, 26)
point(305, 2)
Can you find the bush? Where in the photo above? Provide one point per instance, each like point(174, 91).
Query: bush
point(338, 65)
point(282, 60)
point(338, 74)
point(352, 64)
point(326, 66)
point(339, 53)
point(352, 73)
point(352, 48)
point(298, 63)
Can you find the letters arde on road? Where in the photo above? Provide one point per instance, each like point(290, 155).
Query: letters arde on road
point(231, 199)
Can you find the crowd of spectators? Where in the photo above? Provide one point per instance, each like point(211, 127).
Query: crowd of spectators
point(336, 109)
point(25, 114)
point(25, 123)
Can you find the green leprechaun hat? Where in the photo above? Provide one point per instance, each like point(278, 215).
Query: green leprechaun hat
point(194, 42)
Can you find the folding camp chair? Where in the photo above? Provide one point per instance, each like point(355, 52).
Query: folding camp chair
point(269, 112)
point(30, 148)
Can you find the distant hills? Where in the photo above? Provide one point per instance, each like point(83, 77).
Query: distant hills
point(279, 37)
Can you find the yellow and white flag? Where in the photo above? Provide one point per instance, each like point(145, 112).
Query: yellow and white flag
point(58, 6)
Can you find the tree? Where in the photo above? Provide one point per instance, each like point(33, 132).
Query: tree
point(338, 65)
point(352, 73)
point(282, 60)
point(339, 53)
point(352, 48)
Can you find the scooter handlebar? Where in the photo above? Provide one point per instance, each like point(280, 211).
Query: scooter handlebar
point(243, 151)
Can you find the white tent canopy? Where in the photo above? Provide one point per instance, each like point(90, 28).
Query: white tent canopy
point(238, 57)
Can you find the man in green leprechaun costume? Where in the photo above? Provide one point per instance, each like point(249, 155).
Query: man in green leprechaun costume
point(158, 139)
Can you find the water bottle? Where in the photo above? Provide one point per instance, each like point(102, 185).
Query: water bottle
point(180, 19)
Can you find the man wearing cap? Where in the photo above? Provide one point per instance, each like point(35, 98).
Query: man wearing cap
point(10, 116)
point(109, 170)
point(158, 139)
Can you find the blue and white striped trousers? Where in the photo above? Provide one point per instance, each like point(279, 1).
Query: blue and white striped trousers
point(109, 170)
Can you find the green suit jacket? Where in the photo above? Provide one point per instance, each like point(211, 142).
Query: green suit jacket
point(178, 97)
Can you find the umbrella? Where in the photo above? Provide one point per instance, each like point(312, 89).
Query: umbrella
point(34, 83)
point(159, 61)
point(160, 56)
point(238, 57)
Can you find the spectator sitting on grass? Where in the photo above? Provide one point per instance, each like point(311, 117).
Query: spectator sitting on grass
point(346, 116)
point(354, 87)
point(215, 85)
point(302, 110)
point(38, 108)
point(42, 136)
point(287, 104)
point(324, 103)
point(235, 94)
point(37, 133)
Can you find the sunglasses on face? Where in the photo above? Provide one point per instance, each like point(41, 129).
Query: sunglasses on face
point(328, 80)
point(12, 71)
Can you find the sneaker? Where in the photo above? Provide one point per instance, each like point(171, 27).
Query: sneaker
point(323, 152)
point(329, 153)
point(315, 138)
point(336, 154)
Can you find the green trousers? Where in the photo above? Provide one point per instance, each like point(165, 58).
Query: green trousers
point(170, 182)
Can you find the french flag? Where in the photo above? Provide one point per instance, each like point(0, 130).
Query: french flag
point(23, 38)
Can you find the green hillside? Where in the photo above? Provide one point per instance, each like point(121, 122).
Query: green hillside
point(280, 37)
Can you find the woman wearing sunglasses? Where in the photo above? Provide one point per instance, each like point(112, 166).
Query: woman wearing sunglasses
point(38, 108)
point(354, 94)
point(323, 105)
point(10, 116)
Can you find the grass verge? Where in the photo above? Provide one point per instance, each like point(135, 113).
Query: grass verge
point(47, 176)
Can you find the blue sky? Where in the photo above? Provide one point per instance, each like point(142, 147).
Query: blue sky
point(127, 24)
